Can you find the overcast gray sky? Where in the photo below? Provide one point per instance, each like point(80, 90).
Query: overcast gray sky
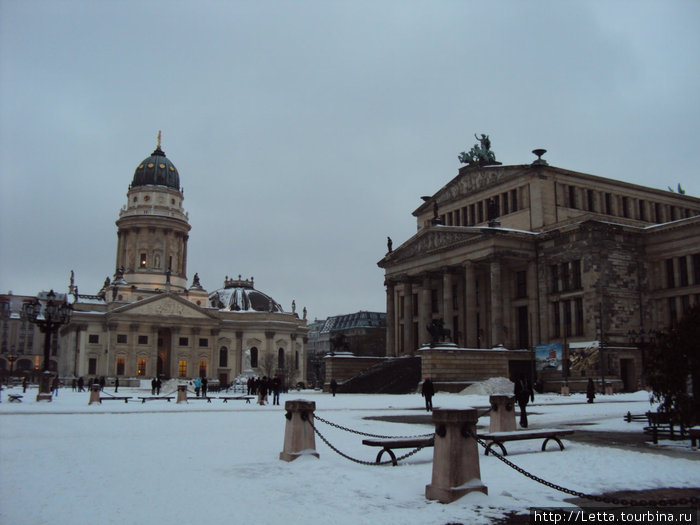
point(306, 132)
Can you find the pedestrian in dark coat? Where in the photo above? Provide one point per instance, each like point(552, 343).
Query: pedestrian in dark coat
point(334, 386)
point(24, 385)
point(590, 390)
point(523, 393)
point(116, 385)
point(276, 387)
point(153, 386)
point(81, 384)
point(428, 391)
point(205, 383)
point(159, 383)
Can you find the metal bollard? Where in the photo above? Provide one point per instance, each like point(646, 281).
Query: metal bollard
point(455, 456)
point(299, 438)
point(95, 395)
point(502, 416)
point(182, 393)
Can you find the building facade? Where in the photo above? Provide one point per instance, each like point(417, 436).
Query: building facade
point(519, 257)
point(149, 320)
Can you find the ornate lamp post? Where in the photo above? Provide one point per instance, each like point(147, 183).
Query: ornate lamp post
point(48, 314)
point(12, 357)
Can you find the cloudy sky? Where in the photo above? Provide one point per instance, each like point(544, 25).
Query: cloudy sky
point(305, 132)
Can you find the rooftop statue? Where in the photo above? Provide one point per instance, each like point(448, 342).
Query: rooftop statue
point(480, 154)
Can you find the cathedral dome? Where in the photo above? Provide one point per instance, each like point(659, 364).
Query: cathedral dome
point(157, 170)
point(239, 295)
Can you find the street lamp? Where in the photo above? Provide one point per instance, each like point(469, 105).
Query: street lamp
point(12, 357)
point(48, 314)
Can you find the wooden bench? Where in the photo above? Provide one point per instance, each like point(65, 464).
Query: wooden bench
point(15, 398)
point(663, 424)
point(498, 438)
point(694, 433)
point(226, 398)
point(208, 398)
point(152, 398)
point(388, 444)
point(120, 398)
point(629, 417)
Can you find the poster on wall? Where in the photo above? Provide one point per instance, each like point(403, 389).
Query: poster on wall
point(584, 358)
point(548, 357)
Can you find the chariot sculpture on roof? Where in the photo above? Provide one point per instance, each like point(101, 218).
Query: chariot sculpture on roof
point(480, 154)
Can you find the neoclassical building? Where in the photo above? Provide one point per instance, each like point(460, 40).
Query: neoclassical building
point(149, 320)
point(519, 257)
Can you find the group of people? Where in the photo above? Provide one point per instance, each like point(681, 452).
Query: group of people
point(263, 386)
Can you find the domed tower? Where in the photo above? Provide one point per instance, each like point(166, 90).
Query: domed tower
point(152, 230)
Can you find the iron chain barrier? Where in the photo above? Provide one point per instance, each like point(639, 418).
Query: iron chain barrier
point(604, 499)
point(672, 502)
point(355, 460)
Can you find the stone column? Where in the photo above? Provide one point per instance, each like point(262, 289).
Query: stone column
point(502, 415)
point(456, 469)
point(299, 437)
point(408, 346)
point(94, 394)
point(391, 350)
point(470, 335)
point(182, 393)
point(447, 302)
point(238, 355)
point(496, 325)
point(425, 312)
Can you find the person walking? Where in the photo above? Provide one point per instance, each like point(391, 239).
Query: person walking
point(590, 390)
point(428, 391)
point(205, 383)
point(25, 383)
point(276, 387)
point(54, 386)
point(81, 384)
point(116, 385)
point(197, 385)
point(523, 393)
point(334, 386)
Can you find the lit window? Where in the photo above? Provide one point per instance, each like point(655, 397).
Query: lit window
point(141, 367)
point(121, 365)
point(142, 262)
point(202, 369)
point(182, 368)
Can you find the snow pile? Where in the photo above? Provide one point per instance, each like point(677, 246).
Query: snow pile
point(492, 386)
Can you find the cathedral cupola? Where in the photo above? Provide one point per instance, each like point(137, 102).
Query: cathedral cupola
point(153, 228)
point(156, 170)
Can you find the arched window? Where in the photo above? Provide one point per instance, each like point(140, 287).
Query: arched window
point(280, 358)
point(254, 357)
point(223, 357)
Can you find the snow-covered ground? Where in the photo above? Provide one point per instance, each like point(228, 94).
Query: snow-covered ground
point(67, 462)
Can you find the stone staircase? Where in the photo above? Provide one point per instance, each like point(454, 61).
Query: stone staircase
point(399, 375)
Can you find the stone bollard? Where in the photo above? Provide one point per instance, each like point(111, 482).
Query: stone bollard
point(565, 390)
point(95, 394)
point(455, 456)
point(182, 393)
point(299, 437)
point(502, 416)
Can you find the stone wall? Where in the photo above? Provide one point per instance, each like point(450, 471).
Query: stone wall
point(344, 365)
point(452, 369)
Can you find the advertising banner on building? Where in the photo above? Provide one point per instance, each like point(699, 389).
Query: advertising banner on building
point(584, 358)
point(548, 357)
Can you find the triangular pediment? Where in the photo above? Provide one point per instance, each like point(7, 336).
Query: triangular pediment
point(166, 305)
point(429, 240)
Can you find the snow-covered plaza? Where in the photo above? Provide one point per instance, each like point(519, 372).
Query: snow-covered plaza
point(67, 462)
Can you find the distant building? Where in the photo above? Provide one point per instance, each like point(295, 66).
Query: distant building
point(537, 257)
point(149, 320)
point(361, 334)
point(21, 343)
